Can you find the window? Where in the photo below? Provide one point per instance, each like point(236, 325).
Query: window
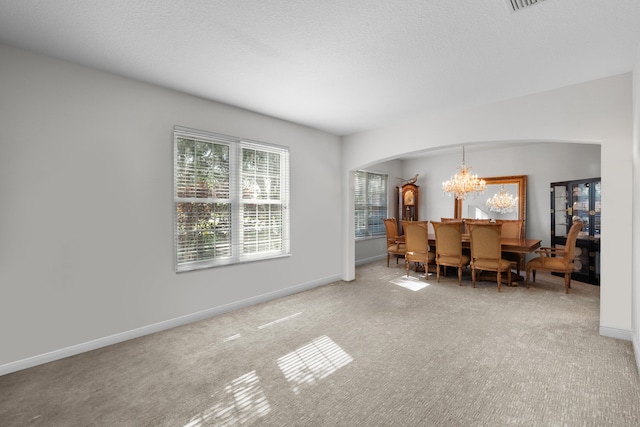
point(231, 200)
point(371, 203)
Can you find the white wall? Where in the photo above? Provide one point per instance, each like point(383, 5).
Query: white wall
point(86, 218)
point(636, 208)
point(592, 112)
point(367, 250)
point(561, 162)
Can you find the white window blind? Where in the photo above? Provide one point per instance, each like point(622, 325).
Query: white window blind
point(370, 203)
point(231, 199)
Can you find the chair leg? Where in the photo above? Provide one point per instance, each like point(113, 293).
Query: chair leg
point(388, 256)
point(499, 274)
point(406, 266)
point(473, 276)
point(567, 282)
point(437, 272)
point(460, 276)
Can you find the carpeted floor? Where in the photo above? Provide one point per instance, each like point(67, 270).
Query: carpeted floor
point(364, 353)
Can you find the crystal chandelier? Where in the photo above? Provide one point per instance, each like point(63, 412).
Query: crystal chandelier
point(502, 202)
point(463, 183)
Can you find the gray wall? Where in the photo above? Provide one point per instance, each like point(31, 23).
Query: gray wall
point(372, 249)
point(595, 112)
point(543, 163)
point(86, 218)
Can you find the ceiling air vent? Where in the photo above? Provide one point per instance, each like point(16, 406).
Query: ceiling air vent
point(516, 5)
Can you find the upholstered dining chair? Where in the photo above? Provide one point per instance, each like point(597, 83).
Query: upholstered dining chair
point(416, 238)
point(512, 229)
point(455, 220)
point(557, 260)
point(449, 248)
point(394, 245)
point(470, 221)
point(486, 253)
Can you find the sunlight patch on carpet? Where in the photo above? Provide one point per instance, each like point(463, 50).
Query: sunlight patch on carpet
point(309, 364)
point(410, 282)
point(244, 402)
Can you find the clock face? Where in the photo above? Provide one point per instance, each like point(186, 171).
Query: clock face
point(409, 198)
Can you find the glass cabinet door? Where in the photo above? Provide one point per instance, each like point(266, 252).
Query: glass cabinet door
point(580, 207)
point(570, 201)
point(596, 229)
point(560, 209)
point(596, 211)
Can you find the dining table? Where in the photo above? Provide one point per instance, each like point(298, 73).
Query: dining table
point(520, 246)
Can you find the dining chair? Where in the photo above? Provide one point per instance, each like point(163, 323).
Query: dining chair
point(470, 221)
point(486, 253)
point(416, 238)
point(557, 260)
point(394, 244)
point(512, 229)
point(449, 248)
point(455, 220)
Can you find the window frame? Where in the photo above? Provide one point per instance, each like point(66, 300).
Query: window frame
point(367, 210)
point(237, 202)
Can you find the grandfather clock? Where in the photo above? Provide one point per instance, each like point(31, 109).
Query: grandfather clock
point(408, 202)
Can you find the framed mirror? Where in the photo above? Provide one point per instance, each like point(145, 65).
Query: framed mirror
point(476, 207)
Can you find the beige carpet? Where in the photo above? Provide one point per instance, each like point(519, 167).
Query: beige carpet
point(364, 353)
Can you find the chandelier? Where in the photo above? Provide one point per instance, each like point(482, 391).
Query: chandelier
point(502, 202)
point(463, 183)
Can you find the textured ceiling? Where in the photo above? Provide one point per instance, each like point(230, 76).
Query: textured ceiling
point(340, 66)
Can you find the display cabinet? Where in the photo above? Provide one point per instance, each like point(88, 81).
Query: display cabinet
point(579, 199)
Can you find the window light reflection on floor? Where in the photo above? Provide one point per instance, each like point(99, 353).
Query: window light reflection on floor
point(244, 403)
point(266, 325)
point(309, 364)
point(410, 282)
point(231, 338)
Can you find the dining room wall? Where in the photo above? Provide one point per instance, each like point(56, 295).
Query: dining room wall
point(596, 112)
point(562, 162)
point(374, 248)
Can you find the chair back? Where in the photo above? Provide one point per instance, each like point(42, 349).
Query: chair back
point(457, 221)
point(570, 247)
point(511, 228)
point(448, 238)
point(416, 237)
point(468, 222)
point(485, 241)
point(391, 226)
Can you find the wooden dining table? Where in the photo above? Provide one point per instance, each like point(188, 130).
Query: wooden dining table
point(522, 246)
point(519, 246)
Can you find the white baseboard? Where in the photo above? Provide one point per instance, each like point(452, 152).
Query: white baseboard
point(370, 259)
point(636, 351)
point(157, 327)
point(621, 334)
